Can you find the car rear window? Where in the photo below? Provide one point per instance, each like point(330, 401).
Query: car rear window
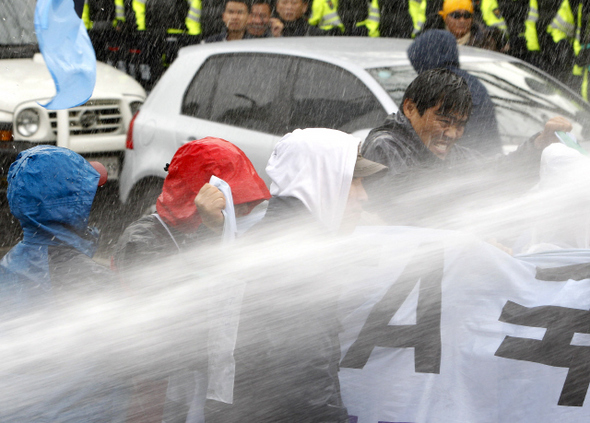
point(245, 90)
point(328, 96)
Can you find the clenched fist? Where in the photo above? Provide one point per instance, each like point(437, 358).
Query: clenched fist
point(210, 202)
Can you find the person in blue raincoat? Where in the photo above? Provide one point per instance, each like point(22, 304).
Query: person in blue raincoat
point(50, 191)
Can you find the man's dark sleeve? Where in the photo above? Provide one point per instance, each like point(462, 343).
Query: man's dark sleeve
point(382, 147)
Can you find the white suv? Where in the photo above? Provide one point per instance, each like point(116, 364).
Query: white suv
point(96, 130)
point(252, 92)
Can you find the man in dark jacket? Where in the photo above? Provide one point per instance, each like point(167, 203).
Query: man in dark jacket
point(438, 49)
point(235, 17)
point(292, 14)
point(418, 144)
point(50, 191)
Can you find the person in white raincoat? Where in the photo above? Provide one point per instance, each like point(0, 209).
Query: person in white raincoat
point(287, 355)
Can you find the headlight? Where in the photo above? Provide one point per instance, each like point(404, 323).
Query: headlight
point(27, 122)
point(135, 106)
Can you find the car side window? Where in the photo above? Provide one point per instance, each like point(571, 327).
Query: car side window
point(242, 90)
point(328, 96)
point(197, 99)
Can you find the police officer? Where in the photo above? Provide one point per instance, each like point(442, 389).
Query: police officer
point(103, 14)
point(163, 27)
point(569, 30)
point(406, 18)
point(171, 16)
point(106, 20)
point(401, 18)
point(526, 24)
point(346, 17)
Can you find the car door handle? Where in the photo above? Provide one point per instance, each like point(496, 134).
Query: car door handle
point(189, 139)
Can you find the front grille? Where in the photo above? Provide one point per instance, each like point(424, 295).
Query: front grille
point(93, 117)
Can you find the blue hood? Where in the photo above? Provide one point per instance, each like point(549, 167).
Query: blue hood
point(437, 48)
point(434, 49)
point(50, 191)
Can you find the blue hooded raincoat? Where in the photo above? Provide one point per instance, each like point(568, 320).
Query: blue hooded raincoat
point(50, 191)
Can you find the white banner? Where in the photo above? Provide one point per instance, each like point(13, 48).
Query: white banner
point(445, 328)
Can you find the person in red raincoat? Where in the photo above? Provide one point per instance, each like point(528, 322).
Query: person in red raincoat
point(188, 216)
point(189, 208)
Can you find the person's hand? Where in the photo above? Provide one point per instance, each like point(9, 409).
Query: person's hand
point(276, 27)
point(548, 135)
point(210, 202)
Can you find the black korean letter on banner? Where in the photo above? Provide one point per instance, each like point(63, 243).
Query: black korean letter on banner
point(426, 267)
point(555, 348)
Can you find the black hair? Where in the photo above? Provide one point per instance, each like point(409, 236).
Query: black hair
point(248, 4)
point(253, 2)
point(440, 87)
point(267, 2)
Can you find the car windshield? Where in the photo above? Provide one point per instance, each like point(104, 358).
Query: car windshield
point(524, 98)
point(17, 22)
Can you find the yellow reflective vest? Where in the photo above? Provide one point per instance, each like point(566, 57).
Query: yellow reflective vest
point(119, 14)
point(567, 25)
point(192, 21)
point(373, 19)
point(324, 15)
point(492, 16)
point(417, 10)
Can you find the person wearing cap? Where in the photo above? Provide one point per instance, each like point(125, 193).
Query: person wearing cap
point(457, 17)
point(51, 191)
point(287, 356)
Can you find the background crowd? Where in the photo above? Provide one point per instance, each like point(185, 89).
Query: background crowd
point(142, 37)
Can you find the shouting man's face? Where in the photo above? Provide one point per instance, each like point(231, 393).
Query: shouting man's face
point(438, 131)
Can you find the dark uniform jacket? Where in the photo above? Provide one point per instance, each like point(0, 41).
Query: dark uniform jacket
point(300, 28)
point(222, 36)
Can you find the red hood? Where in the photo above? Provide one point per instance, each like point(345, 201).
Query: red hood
point(192, 167)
